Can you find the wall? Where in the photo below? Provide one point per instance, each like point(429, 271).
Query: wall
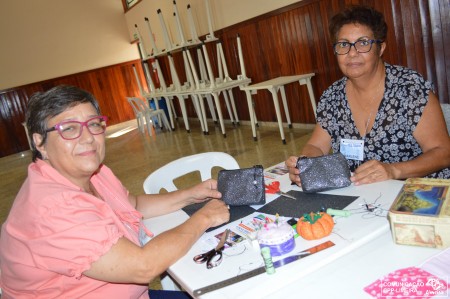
point(224, 13)
point(290, 40)
point(52, 38)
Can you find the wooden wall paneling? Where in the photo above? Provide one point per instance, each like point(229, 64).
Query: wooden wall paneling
point(302, 62)
point(110, 85)
point(271, 60)
point(320, 49)
point(444, 66)
point(291, 40)
point(11, 130)
point(254, 65)
point(255, 62)
point(409, 20)
point(427, 40)
point(128, 87)
point(331, 71)
point(440, 30)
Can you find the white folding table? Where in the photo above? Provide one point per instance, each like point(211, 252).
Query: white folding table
point(275, 85)
point(357, 238)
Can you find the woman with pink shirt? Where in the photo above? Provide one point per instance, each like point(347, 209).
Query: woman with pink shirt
point(74, 231)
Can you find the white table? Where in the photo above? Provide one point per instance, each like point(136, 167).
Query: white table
point(275, 85)
point(363, 252)
point(350, 274)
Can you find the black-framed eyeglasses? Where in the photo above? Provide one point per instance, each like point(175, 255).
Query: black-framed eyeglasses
point(72, 129)
point(361, 46)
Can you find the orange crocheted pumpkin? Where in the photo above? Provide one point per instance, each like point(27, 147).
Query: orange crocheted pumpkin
point(315, 226)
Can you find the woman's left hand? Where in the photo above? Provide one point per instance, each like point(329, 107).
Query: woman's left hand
point(204, 191)
point(372, 171)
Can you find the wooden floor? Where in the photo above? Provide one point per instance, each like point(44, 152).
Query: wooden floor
point(133, 155)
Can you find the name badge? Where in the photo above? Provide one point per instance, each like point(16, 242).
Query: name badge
point(352, 149)
point(145, 235)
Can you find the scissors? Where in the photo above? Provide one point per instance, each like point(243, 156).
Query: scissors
point(213, 258)
point(274, 188)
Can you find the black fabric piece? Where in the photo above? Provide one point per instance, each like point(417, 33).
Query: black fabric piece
point(242, 187)
point(287, 207)
point(163, 294)
point(236, 212)
point(324, 173)
point(306, 203)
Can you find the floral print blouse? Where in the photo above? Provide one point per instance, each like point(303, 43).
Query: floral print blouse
point(391, 138)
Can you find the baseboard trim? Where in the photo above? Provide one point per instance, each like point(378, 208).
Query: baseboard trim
point(265, 123)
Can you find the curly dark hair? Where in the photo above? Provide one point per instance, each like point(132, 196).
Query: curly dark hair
point(359, 14)
point(44, 105)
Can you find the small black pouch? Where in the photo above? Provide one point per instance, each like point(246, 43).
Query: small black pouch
point(243, 186)
point(324, 173)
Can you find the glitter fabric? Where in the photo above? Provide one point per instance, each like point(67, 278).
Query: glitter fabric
point(324, 173)
point(242, 186)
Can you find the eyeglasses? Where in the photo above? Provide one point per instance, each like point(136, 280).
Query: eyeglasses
point(72, 129)
point(361, 46)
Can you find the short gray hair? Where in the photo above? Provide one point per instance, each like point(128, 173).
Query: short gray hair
point(44, 105)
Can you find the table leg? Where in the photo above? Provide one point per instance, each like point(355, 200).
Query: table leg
point(251, 112)
point(278, 113)
point(219, 113)
point(211, 108)
point(202, 108)
point(169, 110)
point(183, 112)
point(285, 105)
point(227, 103)
point(199, 113)
point(311, 95)
point(157, 108)
point(233, 105)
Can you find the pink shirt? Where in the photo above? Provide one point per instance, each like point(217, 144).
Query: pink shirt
point(55, 231)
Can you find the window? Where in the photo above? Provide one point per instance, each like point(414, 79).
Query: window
point(128, 4)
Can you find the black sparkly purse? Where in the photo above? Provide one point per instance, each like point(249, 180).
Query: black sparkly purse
point(324, 173)
point(240, 187)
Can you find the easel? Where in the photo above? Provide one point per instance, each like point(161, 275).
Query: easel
point(207, 86)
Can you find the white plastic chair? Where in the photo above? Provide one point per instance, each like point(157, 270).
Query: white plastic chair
point(163, 178)
point(146, 115)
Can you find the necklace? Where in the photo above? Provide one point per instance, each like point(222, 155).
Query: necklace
point(370, 107)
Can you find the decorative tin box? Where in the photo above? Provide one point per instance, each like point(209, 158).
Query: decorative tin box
point(420, 215)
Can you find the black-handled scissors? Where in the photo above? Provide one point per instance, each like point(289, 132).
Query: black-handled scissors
point(213, 258)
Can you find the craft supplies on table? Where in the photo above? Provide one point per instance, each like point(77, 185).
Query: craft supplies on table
point(420, 215)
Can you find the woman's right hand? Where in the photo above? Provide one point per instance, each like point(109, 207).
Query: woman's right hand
point(294, 173)
point(216, 211)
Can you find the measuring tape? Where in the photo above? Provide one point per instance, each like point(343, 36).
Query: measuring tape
point(260, 270)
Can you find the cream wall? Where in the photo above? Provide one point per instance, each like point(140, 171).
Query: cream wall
point(47, 39)
point(223, 13)
point(52, 38)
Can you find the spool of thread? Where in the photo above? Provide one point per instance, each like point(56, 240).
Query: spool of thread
point(342, 213)
point(268, 264)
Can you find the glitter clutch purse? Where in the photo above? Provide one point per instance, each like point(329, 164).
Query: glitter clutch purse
point(324, 173)
point(240, 187)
